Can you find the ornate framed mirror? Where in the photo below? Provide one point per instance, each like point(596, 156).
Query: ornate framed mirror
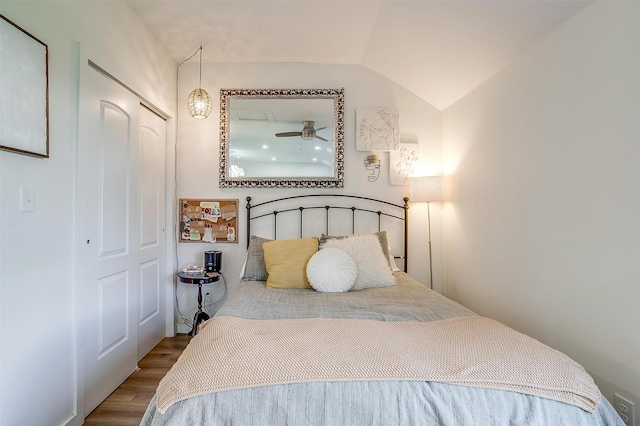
point(282, 138)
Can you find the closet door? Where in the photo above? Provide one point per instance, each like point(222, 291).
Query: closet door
point(109, 218)
point(151, 294)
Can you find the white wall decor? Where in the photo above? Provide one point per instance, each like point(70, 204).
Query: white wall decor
point(377, 129)
point(402, 163)
point(372, 163)
point(24, 100)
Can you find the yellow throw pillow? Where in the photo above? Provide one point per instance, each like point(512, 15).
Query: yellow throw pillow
point(287, 260)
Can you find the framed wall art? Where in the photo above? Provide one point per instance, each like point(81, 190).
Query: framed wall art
point(208, 221)
point(377, 129)
point(402, 163)
point(24, 92)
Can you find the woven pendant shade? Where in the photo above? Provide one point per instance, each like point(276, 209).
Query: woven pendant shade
point(199, 101)
point(199, 104)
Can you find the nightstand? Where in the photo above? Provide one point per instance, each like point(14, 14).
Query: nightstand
point(199, 280)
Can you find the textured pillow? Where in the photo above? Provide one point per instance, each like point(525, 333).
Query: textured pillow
point(332, 270)
point(287, 260)
point(255, 269)
point(382, 239)
point(365, 250)
point(392, 261)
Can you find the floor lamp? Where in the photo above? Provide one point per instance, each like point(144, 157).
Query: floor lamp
point(427, 189)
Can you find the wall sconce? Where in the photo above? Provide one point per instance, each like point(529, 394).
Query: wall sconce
point(428, 189)
point(199, 101)
point(372, 163)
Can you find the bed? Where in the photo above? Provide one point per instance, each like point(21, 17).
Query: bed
point(389, 352)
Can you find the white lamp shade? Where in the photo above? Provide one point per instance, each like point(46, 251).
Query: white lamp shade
point(427, 189)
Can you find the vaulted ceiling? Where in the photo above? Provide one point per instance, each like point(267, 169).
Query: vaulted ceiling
point(439, 50)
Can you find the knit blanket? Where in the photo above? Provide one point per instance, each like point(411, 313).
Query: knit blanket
point(232, 353)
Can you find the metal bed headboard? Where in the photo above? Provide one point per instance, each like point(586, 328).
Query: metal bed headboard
point(327, 207)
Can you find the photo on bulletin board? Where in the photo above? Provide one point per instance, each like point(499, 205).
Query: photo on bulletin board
point(208, 221)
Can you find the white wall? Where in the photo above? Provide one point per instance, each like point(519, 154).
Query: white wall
point(544, 214)
point(543, 220)
point(198, 150)
point(38, 345)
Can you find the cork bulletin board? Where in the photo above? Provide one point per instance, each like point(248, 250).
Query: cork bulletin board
point(208, 221)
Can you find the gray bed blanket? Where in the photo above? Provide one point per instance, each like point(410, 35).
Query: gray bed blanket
point(408, 300)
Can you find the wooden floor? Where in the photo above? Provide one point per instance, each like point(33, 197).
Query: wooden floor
point(127, 404)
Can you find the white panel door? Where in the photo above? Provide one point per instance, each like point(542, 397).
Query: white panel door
point(108, 217)
point(151, 293)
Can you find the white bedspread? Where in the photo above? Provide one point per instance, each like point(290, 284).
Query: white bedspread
point(382, 403)
point(234, 353)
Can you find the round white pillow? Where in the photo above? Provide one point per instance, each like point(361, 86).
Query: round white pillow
point(331, 270)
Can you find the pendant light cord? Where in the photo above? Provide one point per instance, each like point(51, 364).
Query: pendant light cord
point(200, 82)
point(186, 320)
point(194, 54)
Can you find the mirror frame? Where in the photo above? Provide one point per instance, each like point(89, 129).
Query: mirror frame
point(337, 181)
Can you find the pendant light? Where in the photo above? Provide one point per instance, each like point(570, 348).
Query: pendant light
point(199, 101)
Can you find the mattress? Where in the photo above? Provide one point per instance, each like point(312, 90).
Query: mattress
point(365, 402)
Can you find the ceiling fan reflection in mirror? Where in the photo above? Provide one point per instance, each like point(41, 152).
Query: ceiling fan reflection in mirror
point(308, 132)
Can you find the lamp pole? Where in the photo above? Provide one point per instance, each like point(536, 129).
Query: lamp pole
point(430, 260)
point(427, 189)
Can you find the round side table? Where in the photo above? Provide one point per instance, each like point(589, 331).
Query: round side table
point(199, 279)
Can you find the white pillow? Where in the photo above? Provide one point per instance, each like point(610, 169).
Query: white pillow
point(244, 266)
point(384, 243)
point(365, 250)
point(392, 262)
point(331, 271)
